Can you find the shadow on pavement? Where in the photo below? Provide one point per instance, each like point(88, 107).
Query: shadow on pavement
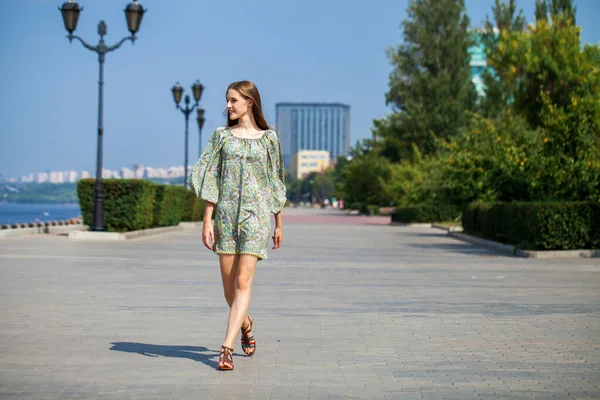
point(195, 353)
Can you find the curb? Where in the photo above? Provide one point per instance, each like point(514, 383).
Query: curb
point(447, 228)
point(41, 230)
point(506, 248)
point(112, 236)
point(189, 225)
point(414, 225)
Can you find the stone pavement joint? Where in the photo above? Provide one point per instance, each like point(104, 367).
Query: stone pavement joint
point(349, 308)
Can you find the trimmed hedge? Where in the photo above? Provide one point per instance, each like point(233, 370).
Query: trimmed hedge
point(194, 207)
point(427, 212)
point(536, 226)
point(169, 205)
point(134, 204)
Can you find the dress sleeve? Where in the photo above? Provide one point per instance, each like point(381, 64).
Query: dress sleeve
point(276, 174)
point(206, 174)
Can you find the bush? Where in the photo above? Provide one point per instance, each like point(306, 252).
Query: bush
point(128, 203)
point(194, 210)
point(363, 209)
point(372, 210)
point(536, 226)
point(170, 205)
point(139, 204)
point(427, 212)
point(355, 206)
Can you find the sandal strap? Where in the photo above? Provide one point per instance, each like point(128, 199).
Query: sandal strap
point(248, 328)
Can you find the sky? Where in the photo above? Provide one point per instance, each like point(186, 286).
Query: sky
point(295, 51)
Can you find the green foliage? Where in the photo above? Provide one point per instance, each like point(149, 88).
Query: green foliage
point(499, 92)
point(169, 205)
point(363, 179)
point(194, 207)
point(372, 210)
point(554, 8)
point(427, 212)
point(430, 86)
point(536, 226)
point(541, 10)
point(133, 204)
point(128, 203)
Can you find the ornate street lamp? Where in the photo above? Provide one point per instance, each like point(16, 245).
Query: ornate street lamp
point(177, 91)
point(70, 13)
point(200, 125)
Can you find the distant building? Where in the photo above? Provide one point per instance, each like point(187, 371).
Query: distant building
point(478, 62)
point(307, 161)
point(313, 126)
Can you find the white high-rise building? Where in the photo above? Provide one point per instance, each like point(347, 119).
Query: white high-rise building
point(126, 173)
point(42, 177)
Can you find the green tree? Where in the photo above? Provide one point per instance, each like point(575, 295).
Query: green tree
point(555, 7)
point(541, 10)
point(506, 21)
point(430, 86)
point(363, 178)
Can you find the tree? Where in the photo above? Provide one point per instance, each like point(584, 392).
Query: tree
point(541, 10)
point(363, 178)
point(557, 86)
point(506, 21)
point(554, 8)
point(430, 86)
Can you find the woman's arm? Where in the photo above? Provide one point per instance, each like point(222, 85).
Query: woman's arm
point(278, 235)
point(208, 234)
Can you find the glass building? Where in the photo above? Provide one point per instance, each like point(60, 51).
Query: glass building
point(313, 126)
point(478, 62)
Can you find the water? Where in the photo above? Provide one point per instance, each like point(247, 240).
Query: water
point(13, 213)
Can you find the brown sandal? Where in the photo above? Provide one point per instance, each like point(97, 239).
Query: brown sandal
point(226, 359)
point(248, 342)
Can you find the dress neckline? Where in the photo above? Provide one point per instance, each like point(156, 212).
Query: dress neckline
point(239, 137)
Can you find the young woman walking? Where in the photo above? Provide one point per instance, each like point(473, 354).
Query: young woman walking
point(240, 176)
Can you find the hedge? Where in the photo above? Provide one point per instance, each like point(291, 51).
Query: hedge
point(427, 212)
point(536, 226)
point(134, 204)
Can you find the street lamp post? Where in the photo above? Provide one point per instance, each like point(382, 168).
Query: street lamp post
point(177, 90)
point(70, 13)
point(200, 120)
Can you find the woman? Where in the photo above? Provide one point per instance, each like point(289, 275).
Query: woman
point(240, 176)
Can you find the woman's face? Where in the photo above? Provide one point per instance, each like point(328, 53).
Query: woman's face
point(237, 106)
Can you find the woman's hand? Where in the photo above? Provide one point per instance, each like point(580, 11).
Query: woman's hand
point(208, 235)
point(277, 238)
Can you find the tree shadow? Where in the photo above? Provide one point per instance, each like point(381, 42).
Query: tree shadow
point(195, 353)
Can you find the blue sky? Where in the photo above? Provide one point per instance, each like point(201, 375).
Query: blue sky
point(308, 51)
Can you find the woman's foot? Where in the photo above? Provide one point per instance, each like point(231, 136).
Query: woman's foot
point(226, 359)
point(248, 342)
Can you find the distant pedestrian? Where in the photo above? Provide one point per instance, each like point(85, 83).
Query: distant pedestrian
point(240, 176)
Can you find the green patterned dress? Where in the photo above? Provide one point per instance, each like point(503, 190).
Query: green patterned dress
point(244, 178)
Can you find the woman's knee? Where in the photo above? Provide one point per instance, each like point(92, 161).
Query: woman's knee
point(243, 282)
point(229, 293)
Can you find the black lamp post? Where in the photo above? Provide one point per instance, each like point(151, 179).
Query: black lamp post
point(70, 13)
point(177, 90)
point(200, 125)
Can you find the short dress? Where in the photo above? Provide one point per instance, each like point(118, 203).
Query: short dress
point(245, 179)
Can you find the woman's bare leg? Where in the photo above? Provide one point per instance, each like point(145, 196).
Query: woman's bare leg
point(228, 273)
point(242, 291)
point(229, 268)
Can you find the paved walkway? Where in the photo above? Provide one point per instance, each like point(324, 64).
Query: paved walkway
point(343, 311)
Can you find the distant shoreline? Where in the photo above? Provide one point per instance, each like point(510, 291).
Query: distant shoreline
point(35, 212)
point(37, 201)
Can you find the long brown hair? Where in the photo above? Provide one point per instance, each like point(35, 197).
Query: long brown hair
point(249, 91)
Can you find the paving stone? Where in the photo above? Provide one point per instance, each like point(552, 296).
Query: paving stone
point(346, 309)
